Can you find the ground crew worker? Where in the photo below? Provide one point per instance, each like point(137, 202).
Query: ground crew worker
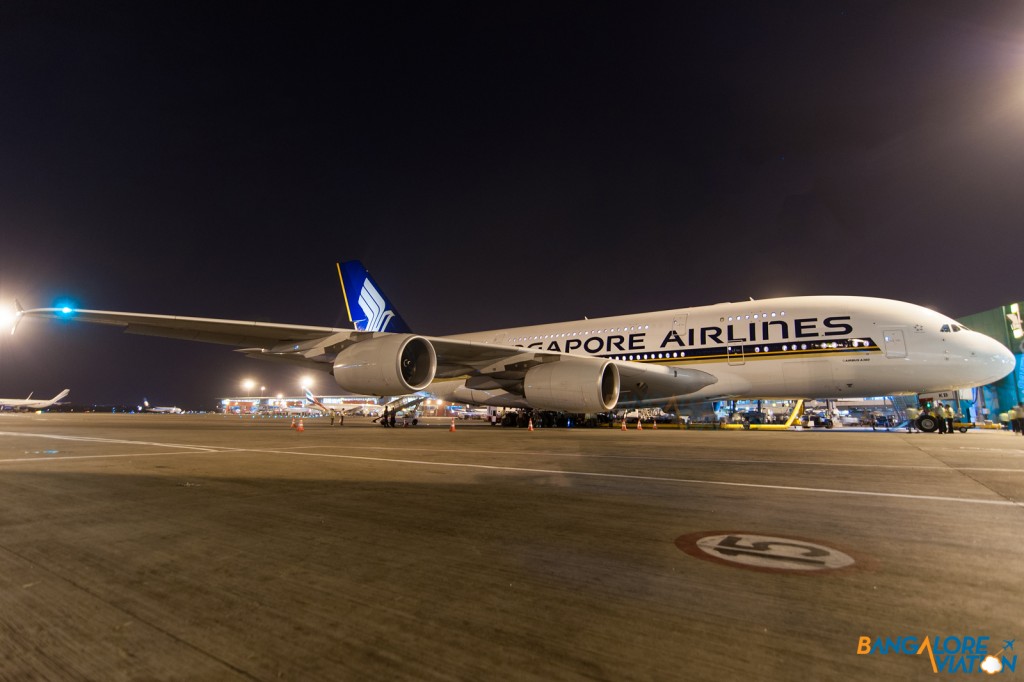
point(939, 418)
point(912, 414)
point(949, 414)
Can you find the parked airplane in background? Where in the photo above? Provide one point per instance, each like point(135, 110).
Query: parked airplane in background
point(365, 410)
point(295, 410)
point(27, 404)
point(474, 413)
point(145, 407)
point(799, 347)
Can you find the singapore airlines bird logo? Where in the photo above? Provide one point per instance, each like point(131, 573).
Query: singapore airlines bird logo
point(375, 307)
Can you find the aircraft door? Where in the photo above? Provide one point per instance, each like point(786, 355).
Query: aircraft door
point(895, 345)
point(676, 338)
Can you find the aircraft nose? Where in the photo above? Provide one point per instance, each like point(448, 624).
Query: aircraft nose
point(993, 356)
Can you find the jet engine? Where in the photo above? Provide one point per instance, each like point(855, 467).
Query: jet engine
point(386, 365)
point(573, 385)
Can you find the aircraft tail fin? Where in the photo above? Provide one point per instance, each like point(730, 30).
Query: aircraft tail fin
point(312, 399)
point(368, 309)
point(63, 394)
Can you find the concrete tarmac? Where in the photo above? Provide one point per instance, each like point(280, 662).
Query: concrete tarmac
point(167, 547)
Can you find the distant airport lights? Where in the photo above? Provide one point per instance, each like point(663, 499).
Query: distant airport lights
point(8, 317)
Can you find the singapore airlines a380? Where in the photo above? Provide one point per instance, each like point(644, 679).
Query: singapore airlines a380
point(796, 347)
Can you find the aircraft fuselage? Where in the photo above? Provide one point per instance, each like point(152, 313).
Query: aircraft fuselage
point(800, 347)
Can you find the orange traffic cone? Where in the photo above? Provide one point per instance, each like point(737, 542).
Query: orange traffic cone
point(623, 423)
point(531, 425)
point(293, 422)
point(452, 427)
point(300, 428)
point(639, 424)
point(654, 424)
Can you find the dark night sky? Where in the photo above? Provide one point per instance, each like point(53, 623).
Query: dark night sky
point(493, 164)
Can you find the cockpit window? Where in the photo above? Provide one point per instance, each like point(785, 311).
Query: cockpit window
point(944, 328)
point(952, 328)
point(956, 327)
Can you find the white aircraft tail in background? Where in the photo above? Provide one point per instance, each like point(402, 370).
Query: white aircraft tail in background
point(26, 404)
point(316, 404)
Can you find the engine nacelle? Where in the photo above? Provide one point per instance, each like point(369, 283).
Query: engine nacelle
point(387, 365)
point(573, 385)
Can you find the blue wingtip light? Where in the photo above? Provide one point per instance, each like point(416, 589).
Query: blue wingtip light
point(65, 307)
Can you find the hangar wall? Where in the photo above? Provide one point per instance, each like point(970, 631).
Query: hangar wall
point(1004, 325)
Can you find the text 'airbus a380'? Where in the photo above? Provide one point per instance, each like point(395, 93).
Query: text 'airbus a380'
point(799, 347)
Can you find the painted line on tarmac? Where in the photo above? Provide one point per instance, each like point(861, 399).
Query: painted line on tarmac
point(922, 467)
point(661, 479)
point(212, 448)
point(90, 439)
point(22, 460)
point(592, 474)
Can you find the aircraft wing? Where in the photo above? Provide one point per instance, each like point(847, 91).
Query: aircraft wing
point(229, 332)
point(483, 366)
point(489, 367)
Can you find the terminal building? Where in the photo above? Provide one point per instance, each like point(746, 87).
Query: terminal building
point(295, 404)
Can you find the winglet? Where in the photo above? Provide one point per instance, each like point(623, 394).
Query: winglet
point(367, 307)
point(18, 313)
